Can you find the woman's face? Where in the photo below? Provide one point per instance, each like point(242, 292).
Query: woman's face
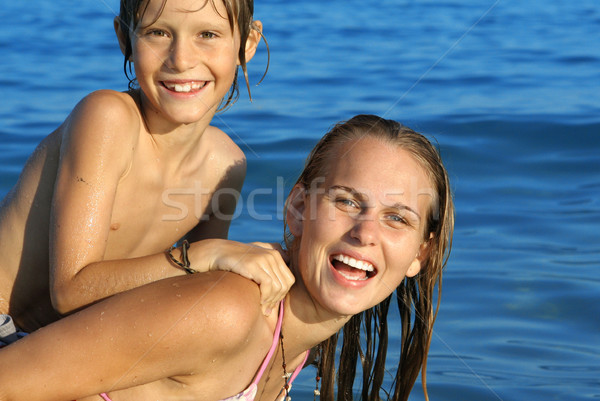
point(363, 226)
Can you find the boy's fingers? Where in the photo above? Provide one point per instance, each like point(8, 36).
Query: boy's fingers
point(274, 246)
point(268, 309)
point(282, 252)
point(274, 285)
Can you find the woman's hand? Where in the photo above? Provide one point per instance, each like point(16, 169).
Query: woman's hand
point(263, 263)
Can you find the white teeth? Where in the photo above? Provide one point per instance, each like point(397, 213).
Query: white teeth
point(185, 88)
point(357, 264)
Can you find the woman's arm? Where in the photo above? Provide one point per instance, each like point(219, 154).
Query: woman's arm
point(173, 327)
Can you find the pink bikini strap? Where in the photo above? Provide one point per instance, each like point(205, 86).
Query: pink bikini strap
point(267, 359)
point(265, 363)
point(299, 368)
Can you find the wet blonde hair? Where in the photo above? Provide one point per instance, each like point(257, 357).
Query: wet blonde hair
point(413, 294)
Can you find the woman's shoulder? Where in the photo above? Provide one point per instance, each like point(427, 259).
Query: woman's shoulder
point(222, 305)
point(206, 328)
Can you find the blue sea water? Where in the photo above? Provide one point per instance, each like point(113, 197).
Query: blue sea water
point(510, 91)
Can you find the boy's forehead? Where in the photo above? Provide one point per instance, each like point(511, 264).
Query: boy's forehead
point(151, 11)
point(184, 5)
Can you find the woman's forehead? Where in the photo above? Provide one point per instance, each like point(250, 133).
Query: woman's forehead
point(378, 170)
point(375, 162)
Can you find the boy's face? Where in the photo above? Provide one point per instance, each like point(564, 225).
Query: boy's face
point(185, 60)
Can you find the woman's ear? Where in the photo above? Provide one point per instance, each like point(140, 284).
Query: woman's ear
point(420, 258)
point(294, 212)
point(414, 268)
point(253, 39)
point(119, 32)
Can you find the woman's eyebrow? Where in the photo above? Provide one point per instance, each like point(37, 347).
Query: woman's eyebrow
point(350, 190)
point(402, 206)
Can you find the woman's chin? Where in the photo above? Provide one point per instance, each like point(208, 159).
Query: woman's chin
point(344, 304)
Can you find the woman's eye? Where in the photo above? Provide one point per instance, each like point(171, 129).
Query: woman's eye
point(396, 219)
point(347, 203)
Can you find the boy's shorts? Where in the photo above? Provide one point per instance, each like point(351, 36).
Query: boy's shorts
point(8, 331)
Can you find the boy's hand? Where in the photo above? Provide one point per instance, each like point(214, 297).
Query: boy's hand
point(263, 263)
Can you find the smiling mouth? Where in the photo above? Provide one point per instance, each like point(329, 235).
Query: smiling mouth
point(352, 269)
point(186, 87)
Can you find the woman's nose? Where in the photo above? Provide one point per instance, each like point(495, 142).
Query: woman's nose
point(365, 230)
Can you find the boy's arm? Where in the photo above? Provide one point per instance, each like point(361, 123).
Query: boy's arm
point(98, 141)
point(94, 157)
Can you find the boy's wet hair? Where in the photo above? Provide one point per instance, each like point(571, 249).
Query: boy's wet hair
point(239, 12)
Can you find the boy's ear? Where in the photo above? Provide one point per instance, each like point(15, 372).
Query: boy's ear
point(119, 32)
point(296, 205)
point(420, 259)
point(253, 39)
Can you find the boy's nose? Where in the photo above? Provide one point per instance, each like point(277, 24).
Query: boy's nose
point(182, 57)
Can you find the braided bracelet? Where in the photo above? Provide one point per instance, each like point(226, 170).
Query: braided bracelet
point(185, 261)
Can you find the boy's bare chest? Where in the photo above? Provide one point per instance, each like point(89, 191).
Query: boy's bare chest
point(150, 213)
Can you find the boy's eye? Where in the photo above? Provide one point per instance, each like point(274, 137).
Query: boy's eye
point(156, 32)
point(207, 35)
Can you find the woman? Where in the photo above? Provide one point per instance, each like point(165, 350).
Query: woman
point(370, 214)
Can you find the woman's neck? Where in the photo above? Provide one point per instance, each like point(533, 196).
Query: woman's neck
point(305, 323)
